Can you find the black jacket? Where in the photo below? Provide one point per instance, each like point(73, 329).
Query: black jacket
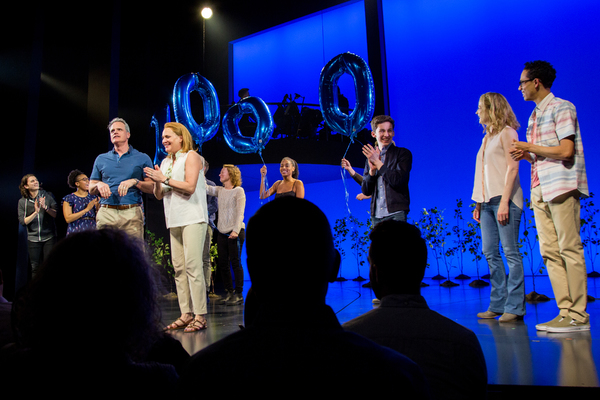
point(395, 173)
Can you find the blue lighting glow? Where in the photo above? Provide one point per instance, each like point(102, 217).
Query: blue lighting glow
point(441, 56)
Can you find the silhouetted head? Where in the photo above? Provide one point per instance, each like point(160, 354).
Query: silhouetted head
point(398, 258)
point(99, 282)
point(290, 251)
point(243, 93)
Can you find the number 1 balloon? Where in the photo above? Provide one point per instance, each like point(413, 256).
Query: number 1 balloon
point(158, 123)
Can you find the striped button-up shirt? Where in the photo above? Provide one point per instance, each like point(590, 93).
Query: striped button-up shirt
point(553, 120)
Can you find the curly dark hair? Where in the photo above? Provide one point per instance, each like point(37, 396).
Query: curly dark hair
point(73, 177)
point(24, 179)
point(542, 70)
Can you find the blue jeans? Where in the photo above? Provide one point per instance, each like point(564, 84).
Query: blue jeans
point(507, 295)
point(398, 216)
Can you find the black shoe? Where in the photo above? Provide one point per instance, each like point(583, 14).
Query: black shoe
point(225, 299)
point(236, 298)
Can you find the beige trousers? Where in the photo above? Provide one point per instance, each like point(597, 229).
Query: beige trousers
point(558, 226)
point(130, 220)
point(187, 244)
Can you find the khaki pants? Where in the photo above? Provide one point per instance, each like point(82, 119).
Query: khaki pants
point(558, 226)
point(130, 220)
point(187, 244)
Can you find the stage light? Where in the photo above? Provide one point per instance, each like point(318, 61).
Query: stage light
point(206, 13)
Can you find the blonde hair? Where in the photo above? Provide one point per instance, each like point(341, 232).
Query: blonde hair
point(181, 131)
point(294, 164)
point(235, 176)
point(498, 113)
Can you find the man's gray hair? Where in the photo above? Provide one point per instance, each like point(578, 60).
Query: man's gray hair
point(119, 120)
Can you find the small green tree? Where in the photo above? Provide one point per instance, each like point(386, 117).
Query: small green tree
point(214, 255)
point(528, 244)
point(435, 232)
point(161, 257)
point(589, 232)
point(473, 240)
point(360, 242)
point(340, 231)
point(460, 238)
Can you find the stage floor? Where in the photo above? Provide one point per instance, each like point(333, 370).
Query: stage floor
point(516, 354)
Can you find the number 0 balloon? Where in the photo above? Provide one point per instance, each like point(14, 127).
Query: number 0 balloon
point(181, 106)
point(264, 126)
point(357, 68)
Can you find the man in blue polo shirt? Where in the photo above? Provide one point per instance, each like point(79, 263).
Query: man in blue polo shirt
point(118, 177)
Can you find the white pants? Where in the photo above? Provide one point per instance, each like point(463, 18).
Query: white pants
point(187, 244)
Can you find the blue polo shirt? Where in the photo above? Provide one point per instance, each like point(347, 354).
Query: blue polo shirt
point(113, 169)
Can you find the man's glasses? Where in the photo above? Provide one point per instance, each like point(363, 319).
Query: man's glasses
point(521, 83)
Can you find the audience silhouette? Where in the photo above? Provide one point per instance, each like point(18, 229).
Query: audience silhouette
point(89, 323)
point(293, 342)
point(449, 354)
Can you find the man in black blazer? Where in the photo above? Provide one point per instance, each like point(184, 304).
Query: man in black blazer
point(386, 173)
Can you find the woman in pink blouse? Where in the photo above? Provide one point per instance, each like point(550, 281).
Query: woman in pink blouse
point(499, 198)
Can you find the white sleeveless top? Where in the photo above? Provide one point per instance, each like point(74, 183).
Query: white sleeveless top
point(182, 209)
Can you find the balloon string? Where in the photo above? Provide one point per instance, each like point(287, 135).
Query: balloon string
point(266, 186)
point(347, 148)
point(347, 195)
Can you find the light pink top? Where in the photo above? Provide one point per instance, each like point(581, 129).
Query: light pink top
point(491, 168)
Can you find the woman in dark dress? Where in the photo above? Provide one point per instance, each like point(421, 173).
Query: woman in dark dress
point(290, 185)
point(79, 207)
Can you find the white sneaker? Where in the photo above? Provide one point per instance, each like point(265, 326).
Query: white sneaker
point(568, 325)
point(544, 326)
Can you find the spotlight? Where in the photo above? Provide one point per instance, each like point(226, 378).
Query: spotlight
point(206, 13)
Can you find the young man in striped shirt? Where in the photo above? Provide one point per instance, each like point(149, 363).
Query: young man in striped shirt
point(558, 179)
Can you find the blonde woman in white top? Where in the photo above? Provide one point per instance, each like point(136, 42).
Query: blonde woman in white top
point(231, 200)
point(499, 198)
point(180, 183)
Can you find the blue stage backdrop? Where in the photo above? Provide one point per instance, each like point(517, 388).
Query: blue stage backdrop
point(441, 56)
point(288, 59)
